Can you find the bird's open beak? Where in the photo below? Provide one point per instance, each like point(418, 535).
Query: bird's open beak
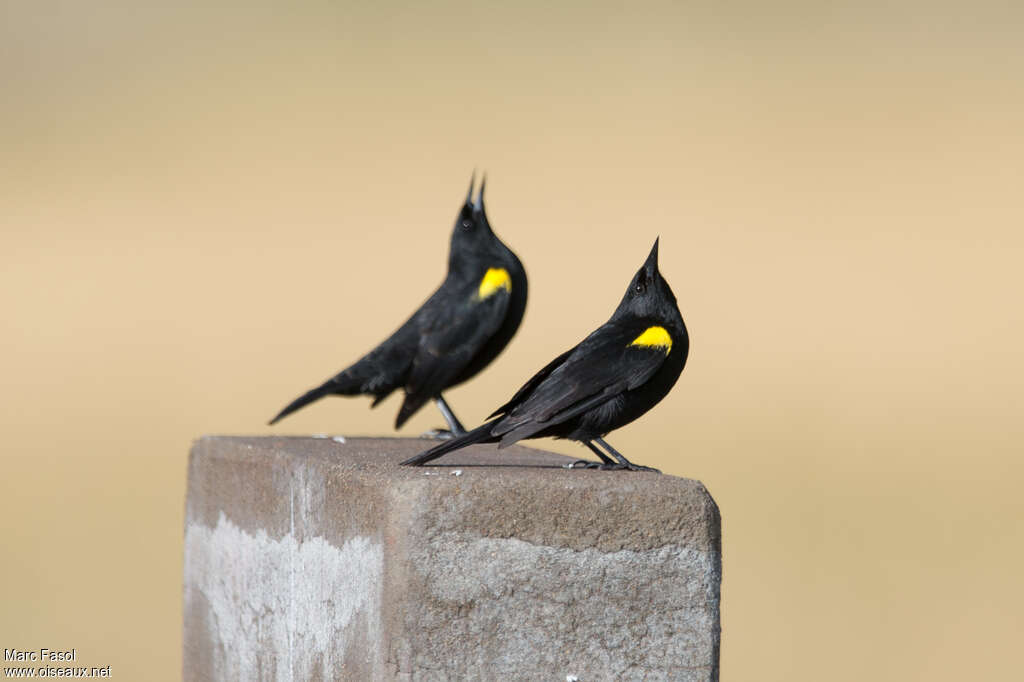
point(469, 194)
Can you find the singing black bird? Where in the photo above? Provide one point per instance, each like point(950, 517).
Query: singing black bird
point(457, 332)
point(624, 368)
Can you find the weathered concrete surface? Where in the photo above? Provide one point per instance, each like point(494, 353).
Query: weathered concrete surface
point(314, 559)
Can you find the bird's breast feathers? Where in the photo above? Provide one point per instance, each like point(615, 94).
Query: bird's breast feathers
point(494, 280)
point(656, 338)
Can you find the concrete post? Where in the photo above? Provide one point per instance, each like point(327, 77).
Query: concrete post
point(315, 559)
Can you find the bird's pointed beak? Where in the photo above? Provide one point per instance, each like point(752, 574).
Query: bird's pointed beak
point(651, 264)
point(479, 205)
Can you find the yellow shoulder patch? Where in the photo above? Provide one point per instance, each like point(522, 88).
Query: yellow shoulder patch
point(654, 337)
point(494, 279)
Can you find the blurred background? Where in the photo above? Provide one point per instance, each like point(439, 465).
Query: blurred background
point(209, 207)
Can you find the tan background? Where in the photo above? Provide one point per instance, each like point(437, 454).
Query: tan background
point(206, 210)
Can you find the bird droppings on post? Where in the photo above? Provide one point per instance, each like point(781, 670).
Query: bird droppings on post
point(457, 472)
point(318, 435)
point(338, 439)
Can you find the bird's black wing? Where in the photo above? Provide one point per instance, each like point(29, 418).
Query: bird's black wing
point(532, 384)
point(451, 334)
point(602, 366)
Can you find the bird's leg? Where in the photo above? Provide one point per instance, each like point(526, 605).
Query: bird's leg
point(455, 427)
point(587, 464)
point(623, 463)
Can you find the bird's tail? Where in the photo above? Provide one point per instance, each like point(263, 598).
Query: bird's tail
point(481, 434)
point(412, 403)
point(327, 388)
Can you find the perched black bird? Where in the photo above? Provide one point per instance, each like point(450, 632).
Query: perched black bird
point(612, 377)
point(457, 332)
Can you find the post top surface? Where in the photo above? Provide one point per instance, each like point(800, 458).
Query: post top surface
point(512, 492)
point(380, 456)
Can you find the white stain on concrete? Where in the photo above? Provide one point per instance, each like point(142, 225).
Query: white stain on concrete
point(265, 596)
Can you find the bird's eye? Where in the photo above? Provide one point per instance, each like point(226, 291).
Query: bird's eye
point(640, 286)
point(466, 224)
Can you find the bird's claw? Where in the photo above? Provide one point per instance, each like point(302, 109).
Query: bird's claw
point(601, 466)
point(640, 467)
point(583, 464)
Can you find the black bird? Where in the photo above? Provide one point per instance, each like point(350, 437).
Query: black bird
point(457, 332)
point(624, 368)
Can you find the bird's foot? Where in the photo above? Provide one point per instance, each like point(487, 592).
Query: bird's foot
point(441, 434)
point(601, 466)
point(640, 467)
point(583, 464)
